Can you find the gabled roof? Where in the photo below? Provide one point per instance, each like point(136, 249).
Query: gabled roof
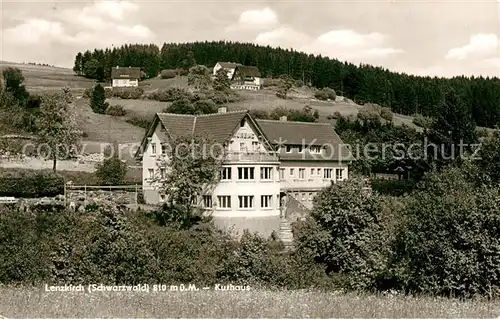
point(305, 134)
point(228, 65)
point(219, 127)
point(133, 73)
point(245, 70)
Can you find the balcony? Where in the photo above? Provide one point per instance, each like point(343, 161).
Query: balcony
point(251, 157)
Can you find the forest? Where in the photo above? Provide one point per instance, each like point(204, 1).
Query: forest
point(403, 93)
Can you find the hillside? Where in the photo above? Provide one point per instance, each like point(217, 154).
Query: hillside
point(403, 93)
point(44, 78)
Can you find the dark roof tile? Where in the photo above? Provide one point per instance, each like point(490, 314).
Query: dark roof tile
point(133, 73)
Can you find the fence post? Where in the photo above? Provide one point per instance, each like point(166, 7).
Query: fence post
point(65, 193)
point(85, 196)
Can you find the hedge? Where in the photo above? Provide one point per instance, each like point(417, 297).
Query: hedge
point(26, 184)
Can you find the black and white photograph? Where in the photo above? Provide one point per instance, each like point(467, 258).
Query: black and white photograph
point(249, 159)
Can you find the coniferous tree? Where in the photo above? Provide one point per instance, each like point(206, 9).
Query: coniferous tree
point(98, 100)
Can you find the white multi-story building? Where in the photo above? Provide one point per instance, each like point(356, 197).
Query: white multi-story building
point(123, 77)
point(264, 164)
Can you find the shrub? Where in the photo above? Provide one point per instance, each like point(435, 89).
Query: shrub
point(260, 114)
point(205, 107)
point(108, 93)
point(336, 115)
point(128, 93)
point(30, 184)
point(180, 107)
point(116, 110)
point(88, 93)
point(111, 171)
point(386, 114)
point(171, 94)
point(325, 94)
point(169, 73)
point(450, 241)
point(422, 121)
point(347, 234)
point(98, 100)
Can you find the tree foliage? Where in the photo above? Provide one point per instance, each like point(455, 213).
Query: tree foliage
point(13, 81)
point(112, 170)
point(222, 82)
point(199, 78)
point(57, 127)
point(98, 100)
point(284, 86)
point(189, 169)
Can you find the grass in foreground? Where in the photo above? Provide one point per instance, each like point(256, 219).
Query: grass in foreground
point(34, 302)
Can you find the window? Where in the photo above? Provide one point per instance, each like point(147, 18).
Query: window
point(266, 201)
point(153, 148)
point(266, 173)
point(255, 146)
point(303, 196)
point(243, 147)
point(315, 149)
point(339, 173)
point(226, 173)
point(224, 201)
point(312, 171)
point(164, 148)
point(245, 201)
point(282, 173)
point(207, 201)
point(319, 171)
point(245, 173)
point(300, 149)
point(162, 172)
point(288, 149)
point(310, 196)
point(151, 173)
point(328, 173)
point(302, 173)
point(162, 198)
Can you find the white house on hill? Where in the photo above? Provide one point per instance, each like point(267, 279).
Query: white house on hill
point(125, 77)
point(267, 162)
point(229, 67)
point(242, 77)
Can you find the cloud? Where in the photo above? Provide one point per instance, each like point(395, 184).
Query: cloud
point(284, 36)
point(344, 44)
point(34, 31)
point(479, 46)
point(97, 25)
point(255, 19)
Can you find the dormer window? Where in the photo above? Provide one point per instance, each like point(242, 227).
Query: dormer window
point(288, 149)
point(315, 149)
point(300, 149)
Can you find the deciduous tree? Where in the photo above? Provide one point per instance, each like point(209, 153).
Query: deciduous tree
point(57, 127)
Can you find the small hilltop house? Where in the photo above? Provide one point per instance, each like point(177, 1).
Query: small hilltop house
point(125, 77)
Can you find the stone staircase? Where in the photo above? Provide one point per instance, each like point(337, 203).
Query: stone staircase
point(285, 234)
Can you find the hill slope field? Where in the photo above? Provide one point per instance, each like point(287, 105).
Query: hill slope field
point(44, 78)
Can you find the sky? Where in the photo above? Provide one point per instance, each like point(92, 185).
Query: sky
point(442, 38)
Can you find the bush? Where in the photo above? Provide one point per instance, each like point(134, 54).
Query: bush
point(171, 94)
point(325, 94)
point(88, 93)
point(30, 184)
point(108, 93)
point(116, 110)
point(259, 114)
point(386, 114)
point(128, 93)
point(108, 245)
point(422, 121)
point(450, 243)
point(347, 234)
point(98, 100)
point(111, 171)
point(169, 73)
point(336, 115)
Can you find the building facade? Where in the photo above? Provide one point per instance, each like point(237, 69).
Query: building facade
point(122, 77)
point(242, 77)
point(260, 171)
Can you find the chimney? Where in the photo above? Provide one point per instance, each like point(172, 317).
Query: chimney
point(283, 118)
point(222, 110)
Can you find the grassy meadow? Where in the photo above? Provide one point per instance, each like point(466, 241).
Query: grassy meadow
point(35, 302)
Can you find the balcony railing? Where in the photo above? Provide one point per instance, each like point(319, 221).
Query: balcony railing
point(251, 157)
